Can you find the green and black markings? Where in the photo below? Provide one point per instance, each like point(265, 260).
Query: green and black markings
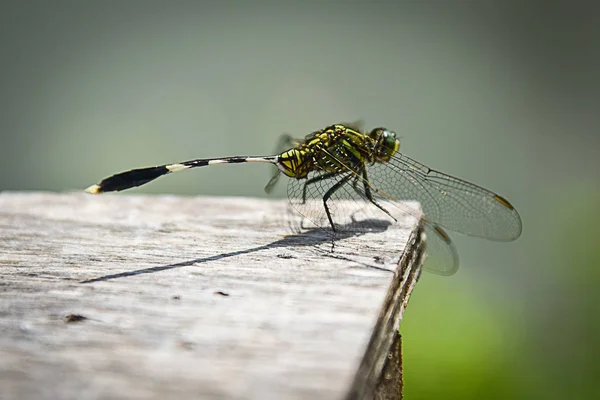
point(339, 163)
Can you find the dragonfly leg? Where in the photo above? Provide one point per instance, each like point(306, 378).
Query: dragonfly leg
point(330, 192)
point(314, 180)
point(370, 195)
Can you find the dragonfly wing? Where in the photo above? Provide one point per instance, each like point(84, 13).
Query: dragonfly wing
point(358, 125)
point(441, 254)
point(448, 201)
point(352, 211)
point(347, 203)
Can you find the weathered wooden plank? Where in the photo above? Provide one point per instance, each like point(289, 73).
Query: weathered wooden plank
point(153, 297)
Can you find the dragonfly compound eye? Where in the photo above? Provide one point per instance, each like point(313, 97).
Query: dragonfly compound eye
point(386, 143)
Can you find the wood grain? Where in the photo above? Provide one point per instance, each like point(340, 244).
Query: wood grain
point(155, 297)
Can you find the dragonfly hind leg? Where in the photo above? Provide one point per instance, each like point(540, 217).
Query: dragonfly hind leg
point(370, 195)
point(315, 179)
point(329, 193)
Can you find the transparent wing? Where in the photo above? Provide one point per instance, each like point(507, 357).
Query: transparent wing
point(440, 252)
point(352, 210)
point(448, 201)
point(347, 205)
point(357, 125)
point(358, 199)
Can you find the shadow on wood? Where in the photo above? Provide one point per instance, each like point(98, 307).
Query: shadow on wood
point(215, 304)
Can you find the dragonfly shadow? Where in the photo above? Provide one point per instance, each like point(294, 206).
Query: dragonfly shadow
point(312, 237)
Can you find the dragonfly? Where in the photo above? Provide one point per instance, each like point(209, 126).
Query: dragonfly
point(342, 171)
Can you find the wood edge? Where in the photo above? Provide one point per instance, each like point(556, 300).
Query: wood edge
point(380, 372)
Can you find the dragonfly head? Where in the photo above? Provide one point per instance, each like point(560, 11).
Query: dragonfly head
point(384, 144)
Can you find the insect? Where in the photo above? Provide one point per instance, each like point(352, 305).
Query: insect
point(339, 172)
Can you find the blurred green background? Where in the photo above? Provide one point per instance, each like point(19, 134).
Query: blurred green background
point(504, 94)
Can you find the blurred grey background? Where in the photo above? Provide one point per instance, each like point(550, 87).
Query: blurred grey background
point(504, 94)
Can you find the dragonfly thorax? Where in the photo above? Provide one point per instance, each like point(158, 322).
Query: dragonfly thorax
point(338, 148)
